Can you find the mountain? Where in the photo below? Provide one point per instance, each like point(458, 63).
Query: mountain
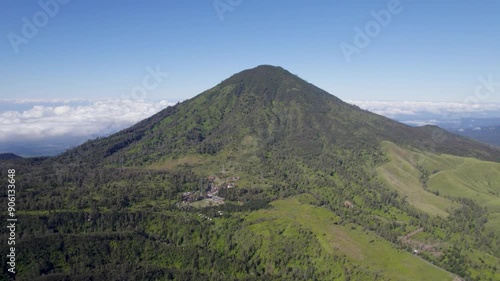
point(9, 156)
point(486, 134)
point(485, 130)
point(263, 177)
point(279, 110)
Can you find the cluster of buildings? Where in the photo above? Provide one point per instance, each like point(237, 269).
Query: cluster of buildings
point(210, 192)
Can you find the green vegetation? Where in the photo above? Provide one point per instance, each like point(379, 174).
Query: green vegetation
point(313, 189)
point(448, 177)
point(441, 185)
point(403, 173)
point(363, 248)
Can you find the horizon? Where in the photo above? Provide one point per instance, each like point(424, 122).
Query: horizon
point(69, 64)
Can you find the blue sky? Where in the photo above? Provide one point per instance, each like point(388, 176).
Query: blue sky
point(429, 51)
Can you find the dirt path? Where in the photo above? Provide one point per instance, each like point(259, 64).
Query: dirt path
point(409, 235)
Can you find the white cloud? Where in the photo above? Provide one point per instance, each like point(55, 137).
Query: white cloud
point(446, 109)
point(64, 118)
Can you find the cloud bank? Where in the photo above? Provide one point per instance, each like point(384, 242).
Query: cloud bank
point(397, 108)
point(64, 119)
point(444, 114)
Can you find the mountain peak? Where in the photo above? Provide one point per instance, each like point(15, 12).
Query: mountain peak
point(267, 83)
point(266, 68)
point(261, 74)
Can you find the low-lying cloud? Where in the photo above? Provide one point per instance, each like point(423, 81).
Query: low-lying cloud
point(449, 115)
point(86, 119)
point(395, 109)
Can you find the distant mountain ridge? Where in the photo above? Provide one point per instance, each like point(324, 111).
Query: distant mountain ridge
point(486, 134)
point(9, 156)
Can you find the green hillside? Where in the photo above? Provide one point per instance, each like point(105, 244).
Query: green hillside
point(363, 248)
point(438, 184)
point(430, 181)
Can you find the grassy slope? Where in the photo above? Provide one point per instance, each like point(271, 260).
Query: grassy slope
point(449, 176)
point(473, 179)
point(470, 178)
point(361, 247)
point(401, 173)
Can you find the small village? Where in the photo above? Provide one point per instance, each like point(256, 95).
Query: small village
point(208, 191)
